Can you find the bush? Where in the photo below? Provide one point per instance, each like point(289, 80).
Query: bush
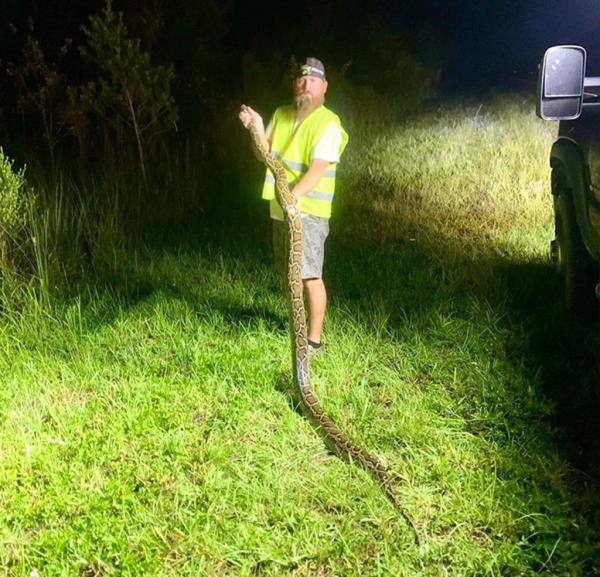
point(12, 208)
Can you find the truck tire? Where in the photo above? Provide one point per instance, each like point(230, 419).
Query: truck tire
point(578, 270)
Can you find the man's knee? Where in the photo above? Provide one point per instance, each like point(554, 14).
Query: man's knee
point(312, 281)
point(314, 285)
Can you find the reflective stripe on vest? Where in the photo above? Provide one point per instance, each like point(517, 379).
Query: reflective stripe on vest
point(298, 166)
point(294, 150)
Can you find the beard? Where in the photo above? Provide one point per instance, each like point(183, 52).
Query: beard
point(303, 101)
point(306, 103)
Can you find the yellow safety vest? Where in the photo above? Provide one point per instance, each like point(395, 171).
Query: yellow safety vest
point(293, 148)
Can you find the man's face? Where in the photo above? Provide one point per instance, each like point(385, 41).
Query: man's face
point(309, 90)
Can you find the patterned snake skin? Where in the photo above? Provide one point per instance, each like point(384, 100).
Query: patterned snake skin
point(300, 360)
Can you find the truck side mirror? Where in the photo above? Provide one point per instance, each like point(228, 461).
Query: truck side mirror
point(560, 83)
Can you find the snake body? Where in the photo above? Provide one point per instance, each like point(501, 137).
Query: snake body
point(299, 339)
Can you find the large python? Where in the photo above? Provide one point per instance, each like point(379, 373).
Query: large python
point(299, 339)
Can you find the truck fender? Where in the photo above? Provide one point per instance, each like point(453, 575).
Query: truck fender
point(567, 157)
point(568, 160)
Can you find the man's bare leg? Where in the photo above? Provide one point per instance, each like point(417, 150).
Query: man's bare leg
point(316, 297)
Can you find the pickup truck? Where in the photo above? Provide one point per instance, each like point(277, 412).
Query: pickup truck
point(566, 94)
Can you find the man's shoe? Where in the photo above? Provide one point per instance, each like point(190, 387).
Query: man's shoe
point(313, 348)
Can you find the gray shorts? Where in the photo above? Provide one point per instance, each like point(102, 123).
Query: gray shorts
point(314, 234)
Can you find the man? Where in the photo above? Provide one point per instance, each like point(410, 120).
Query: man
point(308, 139)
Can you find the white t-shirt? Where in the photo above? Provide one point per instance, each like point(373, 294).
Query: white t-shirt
point(327, 148)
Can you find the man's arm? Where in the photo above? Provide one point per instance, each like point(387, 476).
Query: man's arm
point(325, 154)
point(311, 177)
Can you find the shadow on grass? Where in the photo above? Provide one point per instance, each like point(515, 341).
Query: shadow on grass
point(566, 354)
point(112, 292)
point(412, 284)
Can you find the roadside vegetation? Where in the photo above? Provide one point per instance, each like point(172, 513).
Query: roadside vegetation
point(147, 421)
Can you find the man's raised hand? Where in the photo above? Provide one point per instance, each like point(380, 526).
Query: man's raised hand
point(247, 116)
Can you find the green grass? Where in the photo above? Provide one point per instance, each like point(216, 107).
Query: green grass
point(473, 177)
point(148, 425)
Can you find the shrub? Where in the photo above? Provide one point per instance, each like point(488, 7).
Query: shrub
point(12, 208)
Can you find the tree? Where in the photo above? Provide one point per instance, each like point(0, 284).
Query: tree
point(40, 87)
point(130, 91)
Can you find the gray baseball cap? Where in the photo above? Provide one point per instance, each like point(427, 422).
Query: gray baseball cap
point(311, 67)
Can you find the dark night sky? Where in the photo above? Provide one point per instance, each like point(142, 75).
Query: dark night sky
point(495, 42)
point(500, 42)
point(486, 43)
point(506, 39)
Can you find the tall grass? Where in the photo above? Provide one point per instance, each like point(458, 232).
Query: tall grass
point(83, 225)
point(474, 176)
point(148, 426)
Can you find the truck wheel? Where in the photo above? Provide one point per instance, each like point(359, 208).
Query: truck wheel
point(578, 270)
